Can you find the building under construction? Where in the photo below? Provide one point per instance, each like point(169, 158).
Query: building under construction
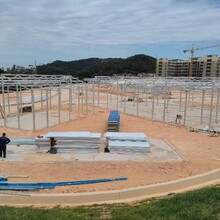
point(207, 66)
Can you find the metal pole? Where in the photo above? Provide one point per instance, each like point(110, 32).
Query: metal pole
point(41, 99)
point(164, 102)
point(110, 93)
point(78, 101)
point(59, 101)
point(168, 99)
point(185, 107)
point(189, 99)
point(146, 96)
point(86, 99)
point(50, 98)
point(210, 115)
point(107, 97)
point(125, 97)
point(33, 109)
point(217, 107)
point(93, 98)
point(203, 97)
point(121, 94)
point(142, 92)
point(152, 113)
point(137, 100)
point(82, 98)
point(117, 96)
point(98, 93)
point(192, 99)
point(3, 101)
point(70, 102)
point(20, 97)
point(18, 110)
point(157, 98)
point(8, 96)
point(134, 91)
point(180, 102)
point(47, 108)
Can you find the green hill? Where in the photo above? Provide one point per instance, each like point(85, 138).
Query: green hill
point(94, 66)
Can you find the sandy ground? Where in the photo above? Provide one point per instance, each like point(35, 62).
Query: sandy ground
point(200, 151)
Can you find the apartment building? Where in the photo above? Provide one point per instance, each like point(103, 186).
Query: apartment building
point(162, 65)
point(207, 66)
point(218, 68)
point(210, 65)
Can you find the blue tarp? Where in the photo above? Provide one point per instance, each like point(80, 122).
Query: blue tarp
point(51, 185)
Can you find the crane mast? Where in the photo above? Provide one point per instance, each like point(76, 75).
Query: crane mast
point(192, 51)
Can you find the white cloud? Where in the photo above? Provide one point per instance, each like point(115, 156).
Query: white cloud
point(63, 24)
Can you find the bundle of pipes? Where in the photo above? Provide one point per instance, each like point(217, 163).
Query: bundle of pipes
point(127, 143)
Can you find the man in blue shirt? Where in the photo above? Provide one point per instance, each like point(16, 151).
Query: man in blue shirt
point(3, 142)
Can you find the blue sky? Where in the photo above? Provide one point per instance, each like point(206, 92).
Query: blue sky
point(49, 30)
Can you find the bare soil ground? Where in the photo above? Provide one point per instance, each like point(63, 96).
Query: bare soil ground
point(200, 151)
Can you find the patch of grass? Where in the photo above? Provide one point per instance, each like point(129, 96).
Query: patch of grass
point(80, 213)
point(200, 204)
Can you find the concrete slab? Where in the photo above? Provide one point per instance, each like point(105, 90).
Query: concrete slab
point(160, 151)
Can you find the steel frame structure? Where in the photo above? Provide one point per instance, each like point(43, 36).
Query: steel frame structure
point(31, 82)
point(149, 90)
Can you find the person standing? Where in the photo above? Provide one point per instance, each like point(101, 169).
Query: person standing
point(3, 142)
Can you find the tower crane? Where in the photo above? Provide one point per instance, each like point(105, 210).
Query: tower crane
point(192, 50)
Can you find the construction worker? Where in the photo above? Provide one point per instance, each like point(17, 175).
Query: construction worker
point(53, 142)
point(3, 142)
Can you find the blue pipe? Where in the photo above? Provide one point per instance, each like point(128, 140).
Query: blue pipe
point(51, 185)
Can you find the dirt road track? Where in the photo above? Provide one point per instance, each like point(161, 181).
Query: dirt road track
point(126, 195)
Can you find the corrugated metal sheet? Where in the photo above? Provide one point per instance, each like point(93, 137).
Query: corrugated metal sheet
point(137, 144)
point(22, 141)
point(114, 116)
point(71, 142)
point(114, 121)
point(69, 134)
point(125, 136)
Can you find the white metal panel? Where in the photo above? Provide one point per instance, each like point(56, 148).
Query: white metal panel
point(125, 136)
point(129, 144)
point(68, 134)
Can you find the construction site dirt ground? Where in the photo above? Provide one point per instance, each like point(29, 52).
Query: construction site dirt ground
point(200, 152)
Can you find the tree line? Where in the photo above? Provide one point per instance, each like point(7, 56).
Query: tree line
point(91, 67)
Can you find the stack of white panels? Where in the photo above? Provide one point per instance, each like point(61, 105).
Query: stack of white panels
point(127, 143)
point(126, 136)
point(76, 142)
point(43, 144)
